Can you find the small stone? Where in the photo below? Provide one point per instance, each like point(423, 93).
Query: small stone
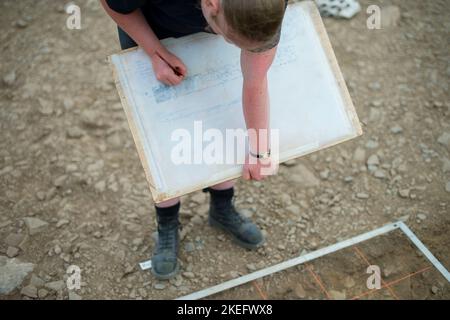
point(21, 23)
point(447, 186)
point(36, 281)
point(42, 293)
point(422, 216)
point(92, 119)
point(50, 193)
point(57, 249)
point(46, 108)
point(246, 213)
point(372, 144)
point(189, 275)
point(389, 270)
point(5, 223)
point(444, 139)
point(14, 239)
point(446, 165)
point(290, 163)
point(68, 103)
point(159, 286)
point(251, 267)
point(74, 296)
point(29, 291)
point(196, 219)
point(59, 182)
point(294, 209)
point(303, 176)
point(375, 115)
point(348, 179)
point(40, 195)
point(142, 292)
point(403, 193)
point(376, 103)
point(263, 232)
point(189, 247)
point(6, 170)
point(303, 252)
point(9, 78)
point(12, 273)
point(380, 174)
point(359, 155)
point(285, 199)
point(12, 252)
point(299, 291)
point(396, 129)
point(74, 133)
point(183, 232)
point(55, 285)
point(100, 186)
point(199, 197)
point(62, 222)
point(349, 282)
point(434, 290)
point(35, 225)
point(373, 160)
point(362, 195)
point(138, 242)
point(338, 295)
point(96, 166)
point(325, 174)
point(71, 167)
point(375, 86)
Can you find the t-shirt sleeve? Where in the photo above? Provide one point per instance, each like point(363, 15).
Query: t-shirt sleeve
point(125, 6)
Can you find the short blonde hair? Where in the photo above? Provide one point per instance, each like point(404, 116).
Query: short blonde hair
point(256, 20)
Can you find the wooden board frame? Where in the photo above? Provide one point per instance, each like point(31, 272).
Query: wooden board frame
point(311, 8)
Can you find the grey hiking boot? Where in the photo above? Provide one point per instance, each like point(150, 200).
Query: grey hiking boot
point(164, 260)
point(223, 215)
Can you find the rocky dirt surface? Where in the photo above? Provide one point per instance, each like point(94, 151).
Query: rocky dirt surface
point(73, 192)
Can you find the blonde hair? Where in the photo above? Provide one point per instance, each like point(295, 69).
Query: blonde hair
point(256, 20)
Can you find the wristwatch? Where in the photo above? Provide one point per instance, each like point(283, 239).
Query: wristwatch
point(263, 155)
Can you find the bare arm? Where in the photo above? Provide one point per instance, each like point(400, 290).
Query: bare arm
point(168, 68)
point(137, 27)
point(255, 97)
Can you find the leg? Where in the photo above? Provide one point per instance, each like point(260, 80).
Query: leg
point(168, 203)
point(223, 215)
point(164, 260)
point(224, 185)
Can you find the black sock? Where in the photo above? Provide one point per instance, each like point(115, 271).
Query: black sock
point(221, 198)
point(167, 213)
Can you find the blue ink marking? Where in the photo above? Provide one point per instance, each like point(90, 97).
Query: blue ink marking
point(163, 93)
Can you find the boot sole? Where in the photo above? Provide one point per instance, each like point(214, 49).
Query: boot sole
point(168, 275)
point(218, 225)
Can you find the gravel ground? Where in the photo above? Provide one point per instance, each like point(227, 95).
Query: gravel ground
point(73, 192)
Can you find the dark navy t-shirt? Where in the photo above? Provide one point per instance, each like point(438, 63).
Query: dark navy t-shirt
point(173, 18)
point(179, 17)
